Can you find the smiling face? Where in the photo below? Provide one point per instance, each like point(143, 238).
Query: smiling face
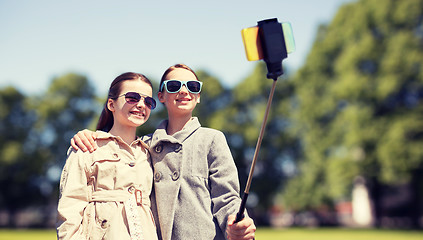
point(183, 102)
point(125, 114)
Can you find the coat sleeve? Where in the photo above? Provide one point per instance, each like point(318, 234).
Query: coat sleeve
point(223, 180)
point(73, 196)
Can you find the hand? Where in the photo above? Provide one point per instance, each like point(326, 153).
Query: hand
point(242, 230)
point(84, 140)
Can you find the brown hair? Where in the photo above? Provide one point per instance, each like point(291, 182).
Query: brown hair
point(171, 68)
point(105, 122)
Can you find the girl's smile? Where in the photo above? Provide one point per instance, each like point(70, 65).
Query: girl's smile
point(184, 99)
point(138, 113)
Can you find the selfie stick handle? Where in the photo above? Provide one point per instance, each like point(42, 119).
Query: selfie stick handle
point(240, 214)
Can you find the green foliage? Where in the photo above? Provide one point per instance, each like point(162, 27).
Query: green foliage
point(68, 105)
point(67, 94)
point(359, 102)
point(213, 98)
point(21, 160)
point(34, 137)
point(11, 152)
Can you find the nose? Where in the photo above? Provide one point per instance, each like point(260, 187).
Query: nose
point(184, 89)
point(141, 103)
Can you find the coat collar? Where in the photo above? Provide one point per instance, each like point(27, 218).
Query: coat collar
point(160, 135)
point(105, 135)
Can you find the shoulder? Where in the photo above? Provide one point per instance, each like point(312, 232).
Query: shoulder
point(210, 138)
point(73, 153)
point(211, 133)
point(76, 159)
point(106, 149)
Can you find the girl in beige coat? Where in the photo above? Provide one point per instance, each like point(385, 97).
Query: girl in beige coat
point(105, 194)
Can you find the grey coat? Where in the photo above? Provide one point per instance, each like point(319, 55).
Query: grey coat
point(195, 182)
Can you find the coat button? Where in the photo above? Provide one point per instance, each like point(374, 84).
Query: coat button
point(175, 175)
point(104, 224)
point(131, 164)
point(159, 148)
point(157, 176)
point(115, 155)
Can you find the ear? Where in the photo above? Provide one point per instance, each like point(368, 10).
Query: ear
point(160, 95)
point(110, 105)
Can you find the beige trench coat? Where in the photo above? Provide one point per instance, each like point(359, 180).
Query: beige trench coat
point(95, 187)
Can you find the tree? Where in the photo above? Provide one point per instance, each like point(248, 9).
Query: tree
point(21, 161)
point(214, 97)
point(68, 106)
point(360, 102)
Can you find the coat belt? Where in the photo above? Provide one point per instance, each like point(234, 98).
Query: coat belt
point(118, 196)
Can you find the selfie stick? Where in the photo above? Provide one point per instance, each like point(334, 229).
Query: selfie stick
point(267, 42)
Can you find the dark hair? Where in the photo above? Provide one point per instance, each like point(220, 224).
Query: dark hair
point(171, 68)
point(105, 122)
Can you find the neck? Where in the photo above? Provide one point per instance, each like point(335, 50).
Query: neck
point(177, 123)
point(127, 134)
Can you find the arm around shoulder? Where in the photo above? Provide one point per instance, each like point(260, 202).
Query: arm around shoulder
point(84, 140)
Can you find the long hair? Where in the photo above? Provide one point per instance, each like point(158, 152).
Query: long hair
point(171, 68)
point(105, 122)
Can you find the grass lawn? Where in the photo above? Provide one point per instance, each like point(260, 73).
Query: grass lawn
point(263, 234)
point(336, 234)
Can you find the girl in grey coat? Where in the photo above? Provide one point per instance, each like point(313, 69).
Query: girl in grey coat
point(196, 187)
point(195, 177)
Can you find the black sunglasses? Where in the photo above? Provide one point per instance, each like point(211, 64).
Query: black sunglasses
point(174, 86)
point(134, 97)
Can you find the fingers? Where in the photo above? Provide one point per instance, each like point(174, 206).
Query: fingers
point(84, 140)
point(89, 140)
point(77, 143)
point(73, 144)
point(231, 220)
point(245, 229)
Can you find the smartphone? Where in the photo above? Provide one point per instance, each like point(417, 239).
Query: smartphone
point(252, 44)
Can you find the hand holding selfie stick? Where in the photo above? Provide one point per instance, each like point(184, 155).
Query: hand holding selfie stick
point(270, 41)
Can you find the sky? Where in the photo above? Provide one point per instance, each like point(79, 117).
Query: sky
point(44, 39)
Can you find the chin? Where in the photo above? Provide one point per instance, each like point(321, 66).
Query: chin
point(138, 122)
